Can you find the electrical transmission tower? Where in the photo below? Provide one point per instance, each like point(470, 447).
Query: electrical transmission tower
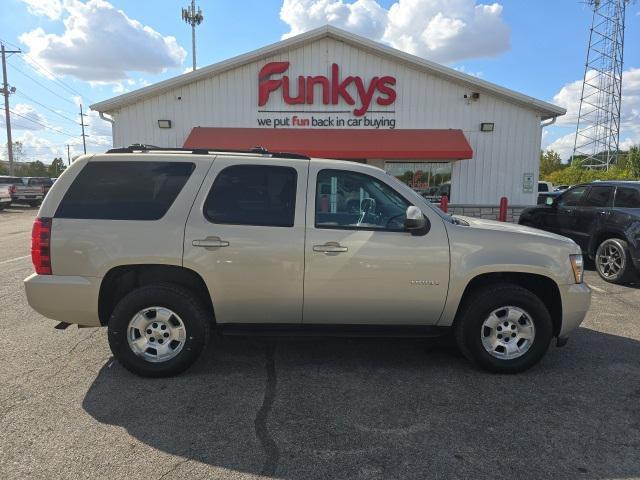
point(598, 130)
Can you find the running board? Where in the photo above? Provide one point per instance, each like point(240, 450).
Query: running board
point(292, 330)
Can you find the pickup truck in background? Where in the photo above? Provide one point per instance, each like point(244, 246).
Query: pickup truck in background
point(5, 196)
point(31, 195)
point(44, 182)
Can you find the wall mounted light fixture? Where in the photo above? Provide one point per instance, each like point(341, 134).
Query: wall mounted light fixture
point(486, 127)
point(164, 123)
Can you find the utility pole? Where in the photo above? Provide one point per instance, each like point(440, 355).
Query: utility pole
point(68, 155)
point(82, 124)
point(7, 116)
point(193, 17)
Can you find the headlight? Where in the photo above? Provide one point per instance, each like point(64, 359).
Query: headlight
point(577, 265)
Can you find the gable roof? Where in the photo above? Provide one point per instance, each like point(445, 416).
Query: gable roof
point(547, 110)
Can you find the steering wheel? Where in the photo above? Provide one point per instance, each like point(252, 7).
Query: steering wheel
point(367, 205)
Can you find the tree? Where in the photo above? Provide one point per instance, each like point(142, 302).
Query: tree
point(56, 167)
point(550, 162)
point(32, 169)
point(18, 151)
point(633, 161)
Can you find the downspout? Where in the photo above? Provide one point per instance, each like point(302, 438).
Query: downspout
point(113, 126)
point(551, 121)
point(112, 121)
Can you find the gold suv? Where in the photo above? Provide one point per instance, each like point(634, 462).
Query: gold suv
point(162, 246)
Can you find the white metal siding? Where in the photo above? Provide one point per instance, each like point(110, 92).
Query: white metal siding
point(423, 101)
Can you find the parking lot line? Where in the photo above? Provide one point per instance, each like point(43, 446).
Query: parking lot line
point(597, 289)
point(14, 259)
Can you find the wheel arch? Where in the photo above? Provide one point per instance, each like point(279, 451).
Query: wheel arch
point(122, 279)
point(601, 236)
point(543, 287)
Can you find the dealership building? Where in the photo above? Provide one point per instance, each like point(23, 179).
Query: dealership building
point(329, 93)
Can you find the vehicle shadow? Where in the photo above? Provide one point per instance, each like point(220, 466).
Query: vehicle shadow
point(387, 408)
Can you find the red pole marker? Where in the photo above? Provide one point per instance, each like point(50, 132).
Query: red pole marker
point(502, 216)
point(444, 203)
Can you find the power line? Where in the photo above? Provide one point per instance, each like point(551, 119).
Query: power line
point(44, 106)
point(64, 85)
point(43, 125)
point(42, 85)
point(54, 77)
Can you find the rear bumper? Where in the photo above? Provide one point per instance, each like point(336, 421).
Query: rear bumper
point(27, 198)
point(576, 299)
point(68, 299)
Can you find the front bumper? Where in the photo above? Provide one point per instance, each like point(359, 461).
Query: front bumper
point(69, 299)
point(576, 299)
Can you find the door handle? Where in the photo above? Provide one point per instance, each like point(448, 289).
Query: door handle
point(210, 242)
point(330, 247)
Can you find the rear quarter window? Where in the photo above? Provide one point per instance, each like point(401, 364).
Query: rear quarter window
point(124, 190)
point(627, 197)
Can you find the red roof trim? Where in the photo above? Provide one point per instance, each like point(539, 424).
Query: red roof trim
point(336, 143)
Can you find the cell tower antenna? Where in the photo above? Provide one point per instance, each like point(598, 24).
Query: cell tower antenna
point(194, 17)
point(597, 138)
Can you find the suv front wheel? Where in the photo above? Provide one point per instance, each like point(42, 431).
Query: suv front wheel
point(158, 330)
point(504, 328)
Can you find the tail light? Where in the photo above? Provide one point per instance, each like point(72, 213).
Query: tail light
point(12, 189)
point(41, 246)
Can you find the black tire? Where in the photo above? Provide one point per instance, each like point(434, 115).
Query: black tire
point(34, 204)
point(626, 273)
point(477, 308)
point(187, 306)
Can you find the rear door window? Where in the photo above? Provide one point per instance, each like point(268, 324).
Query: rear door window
point(599, 196)
point(627, 197)
point(261, 195)
point(124, 190)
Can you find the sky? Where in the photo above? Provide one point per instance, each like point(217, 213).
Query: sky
point(85, 51)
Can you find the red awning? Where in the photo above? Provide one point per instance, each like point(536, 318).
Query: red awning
point(335, 143)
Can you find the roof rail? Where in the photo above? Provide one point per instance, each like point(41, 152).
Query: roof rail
point(138, 147)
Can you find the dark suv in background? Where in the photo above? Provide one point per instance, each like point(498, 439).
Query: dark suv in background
point(603, 218)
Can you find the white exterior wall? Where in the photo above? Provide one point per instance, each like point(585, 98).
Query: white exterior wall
point(424, 101)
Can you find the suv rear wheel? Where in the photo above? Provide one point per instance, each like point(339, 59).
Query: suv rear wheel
point(613, 261)
point(158, 330)
point(504, 328)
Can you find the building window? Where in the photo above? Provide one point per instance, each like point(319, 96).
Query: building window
point(432, 180)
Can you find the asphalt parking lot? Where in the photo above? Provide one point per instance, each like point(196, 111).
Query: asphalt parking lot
point(313, 408)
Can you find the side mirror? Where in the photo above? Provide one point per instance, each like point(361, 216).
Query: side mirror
point(416, 223)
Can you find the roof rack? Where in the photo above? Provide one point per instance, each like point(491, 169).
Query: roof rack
point(138, 147)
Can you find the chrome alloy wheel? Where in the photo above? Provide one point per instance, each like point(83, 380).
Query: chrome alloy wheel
point(156, 334)
point(610, 260)
point(508, 333)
